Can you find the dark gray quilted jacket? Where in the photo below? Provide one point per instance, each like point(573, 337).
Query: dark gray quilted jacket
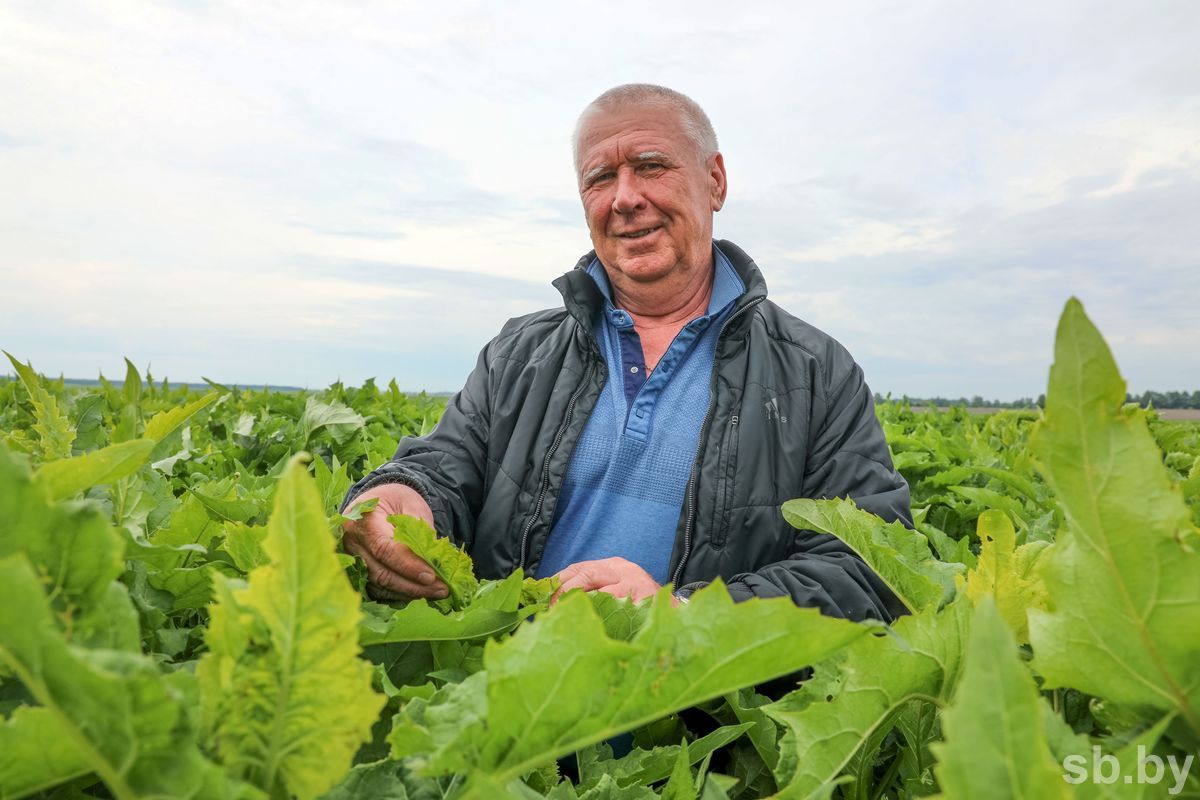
point(790, 416)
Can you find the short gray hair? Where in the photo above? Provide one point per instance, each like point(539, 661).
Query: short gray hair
point(696, 124)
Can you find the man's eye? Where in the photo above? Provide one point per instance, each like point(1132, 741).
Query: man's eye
point(603, 177)
point(650, 166)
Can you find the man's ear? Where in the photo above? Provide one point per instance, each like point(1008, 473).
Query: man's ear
point(718, 184)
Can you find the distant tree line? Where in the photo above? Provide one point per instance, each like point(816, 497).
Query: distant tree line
point(1145, 400)
point(971, 402)
point(1165, 399)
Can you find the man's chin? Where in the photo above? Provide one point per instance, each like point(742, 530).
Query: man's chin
point(640, 263)
point(645, 269)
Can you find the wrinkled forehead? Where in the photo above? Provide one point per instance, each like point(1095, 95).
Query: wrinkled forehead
point(633, 128)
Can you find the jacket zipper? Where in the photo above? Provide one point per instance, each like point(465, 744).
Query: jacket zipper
point(692, 480)
point(731, 448)
point(545, 485)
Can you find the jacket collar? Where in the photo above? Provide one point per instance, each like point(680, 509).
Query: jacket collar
point(584, 301)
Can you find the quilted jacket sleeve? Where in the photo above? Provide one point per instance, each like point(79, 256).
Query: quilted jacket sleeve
point(447, 465)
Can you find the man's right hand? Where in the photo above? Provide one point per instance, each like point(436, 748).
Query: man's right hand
point(393, 571)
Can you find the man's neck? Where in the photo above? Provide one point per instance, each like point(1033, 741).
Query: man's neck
point(668, 305)
point(660, 313)
point(682, 310)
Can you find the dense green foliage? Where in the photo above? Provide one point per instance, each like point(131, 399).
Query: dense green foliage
point(177, 619)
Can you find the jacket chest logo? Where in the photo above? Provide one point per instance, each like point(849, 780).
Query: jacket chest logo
point(771, 411)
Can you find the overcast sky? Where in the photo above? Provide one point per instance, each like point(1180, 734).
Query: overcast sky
point(296, 192)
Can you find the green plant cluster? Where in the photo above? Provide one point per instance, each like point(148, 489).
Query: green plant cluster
point(177, 618)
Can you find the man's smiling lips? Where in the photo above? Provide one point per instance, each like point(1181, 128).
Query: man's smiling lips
point(638, 234)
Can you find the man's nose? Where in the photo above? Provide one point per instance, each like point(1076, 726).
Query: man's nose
point(628, 196)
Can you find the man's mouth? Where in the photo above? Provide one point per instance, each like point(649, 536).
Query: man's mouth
point(644, 232)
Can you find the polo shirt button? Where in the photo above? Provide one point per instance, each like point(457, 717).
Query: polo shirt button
point(633, 369)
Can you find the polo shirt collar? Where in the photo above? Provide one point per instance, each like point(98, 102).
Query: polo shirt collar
point(727, 286)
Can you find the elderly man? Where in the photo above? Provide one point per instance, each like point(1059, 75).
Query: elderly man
point(648, 431)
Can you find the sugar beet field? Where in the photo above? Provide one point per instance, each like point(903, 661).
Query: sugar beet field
point(177, 618)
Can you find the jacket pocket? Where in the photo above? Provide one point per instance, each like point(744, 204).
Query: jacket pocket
point(728, 472)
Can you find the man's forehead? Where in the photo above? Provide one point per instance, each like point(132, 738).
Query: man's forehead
point(653, 125)
point(633, 144)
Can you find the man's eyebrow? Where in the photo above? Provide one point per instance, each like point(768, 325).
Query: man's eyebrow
point(651, 155)
point(640, 158)
point(594, 172)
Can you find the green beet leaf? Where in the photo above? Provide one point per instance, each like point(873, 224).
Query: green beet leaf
point(36, 753)
point(747, 707)
point(332, 482)
point(123, 718)
point(132, 388)
point(497, 607)
point(228, 508)
point(55, 431)
point(622, 617)
point(850, 697)
point(899, 555)
point(645, 767)
point(451, 564)
point(69, 476)
point(70, 545)
point(339, 421)
point(561, 683)
point(609, 789)
point(918, 726)
point(1124, 576)
point(244, 543)
point(380, 780)
point(390, 780)
point(286, 700)
point(162, 424)
point(491, 612)
point(987, 498)
point(681, 785)
point(995, 745)
point(1099, 776)
point(1006, 572)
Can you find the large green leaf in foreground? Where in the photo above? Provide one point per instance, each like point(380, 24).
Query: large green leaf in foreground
point(127, 722)
point(75, 553)
point(284, 693)
point(36, 753)
point(995, 739)
point(1124, 577)
point(72, 545)
point(856, 692)
point(562, 683)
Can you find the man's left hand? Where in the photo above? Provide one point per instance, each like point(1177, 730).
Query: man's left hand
point(616, 576)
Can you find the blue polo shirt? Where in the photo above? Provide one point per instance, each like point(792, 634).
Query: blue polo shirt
point(625, 483)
